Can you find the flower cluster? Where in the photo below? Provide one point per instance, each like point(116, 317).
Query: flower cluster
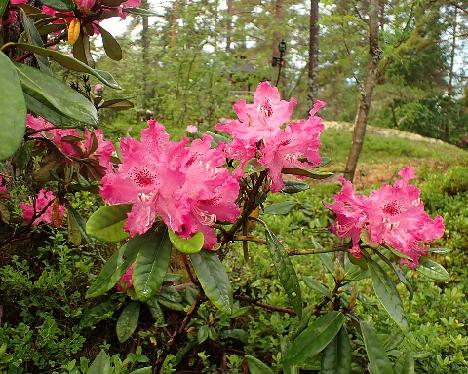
point(393, 215)
point(3, 189)
point(184, 185)
point(262, 131)
point(45, 209)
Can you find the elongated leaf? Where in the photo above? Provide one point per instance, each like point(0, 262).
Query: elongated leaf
point(292, 186)
point(404, 364)
point(107, 223)
point(100, 365)
point(387, 294)
point(118, 264)
point(280, 208)
point(72, 64)
point(192, 245)
point(141, 12)
point(3, 6)
point(98, 313)
point(378, 359)
point(285, 270)
point(12, 109)
point(336, 358)
point(112, 3)
point(56, 95)
point(111, 47)
point(62, 5)
point(50, 114)
point(34, 38)
point(145, 370)
point(128, 321)
point(314, 174)
point(314, 284)
point(151, 265)
point(80, 222)
point(313, 339)
point(256, 366)
point(81, 50)
point(433, 270)
point(116, 104)
point(439, 250)
point(214, 280)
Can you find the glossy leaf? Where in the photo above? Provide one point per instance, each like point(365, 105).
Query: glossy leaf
point(12, 109)
point(101, 364)
point(292, 186)
point(81, 50)
point(192, 245)
point(62, 5)
point(98, 313)
point(439, 250)
point(128, 321)
point(433, 270)
point(107, 223)
point(336, 358)
point(256, 366)
point(118, 264)
point(387, 294)
point(310, 173)
point(72, 64)
point(214, 280)
point(116, 104)
point(111, 47)
point(145, 370)
point(314, 284)
point(285, 270)
point(151, 264)
point(56, 95)
point(80, 222)
point(280, 208)
point(404, 364)
point(378, 359)
point(34, 38)
point(112, 3)
point(141, 12)
point(314, 339)
point(3, 6)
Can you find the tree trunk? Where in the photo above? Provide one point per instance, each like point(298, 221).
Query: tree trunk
point(173, 23)
point(229, 25)
point(360, 124)
point(277, 36)
point(145, 55)
point(452, 53)
point(313, 52)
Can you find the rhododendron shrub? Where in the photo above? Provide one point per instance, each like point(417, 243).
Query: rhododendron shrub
point(172, 211)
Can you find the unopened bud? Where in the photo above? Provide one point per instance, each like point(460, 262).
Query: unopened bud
point(73, 31)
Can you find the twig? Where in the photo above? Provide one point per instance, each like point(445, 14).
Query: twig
point(272, 308)
point(300, 252)
point(248, 238)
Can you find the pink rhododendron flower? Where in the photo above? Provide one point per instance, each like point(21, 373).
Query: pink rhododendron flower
point(3, 189)
point(186, 186)
point(393, 215)
point(125, 281)
point(191, 129)
point(52, 215)
point(85, 4)
point(262, 131)
point(98, 89)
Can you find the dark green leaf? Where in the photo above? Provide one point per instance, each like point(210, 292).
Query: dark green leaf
point(128, 321)
point(327, 259)
point(192, 245)
point(118, 264)
point(141, 12)
point(378, 359)
point(336, 358)
point(111, 47)
point(387, 294)
point(237, 334)
point(314, 284)
point(51, 27)
point(214, 280)
point(98, 313)
point(107, 223)
point(151, 264)
point(285, 270)
point(62, 5)
point(145, 370)
point(404, 364)
point(433, 270)
point(314, 174)
point(314, 339)
point(291, 186)
point(156, 311)
point(116, 104)
point(56, 95)
point(256, 366)
point(81, 50)
point(81, 223)
point(203, 333)
point(3, 6)
point(112, 3)
point(12, 109)
point(101, 364)
point(280, 208)
point(34, 38)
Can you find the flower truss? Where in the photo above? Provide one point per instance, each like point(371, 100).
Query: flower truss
point(46, 209)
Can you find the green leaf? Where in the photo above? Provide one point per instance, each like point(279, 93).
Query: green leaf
point(192, 245)
point(433, 270)
point(404, 364)
point(314, 284)
point(145, 370)
point(156, 311)
point(256, 366)
point(98, 313)
point(111, 47)
point(285, 270)
point(280, 208)
point(81, 50)
point(378, 359)
point(34, 38)
point(107, 223)
point(327, 259)
point(12, 109)
point(72, 64)
point(214, 280)
point(80, 222)
point(151, 264)
point(314, 339)
point(116, 104)
point(236, 334)
point(141, 12)
point(112, 3)
point(128, 321)
point(336, 358)
point(292, 186)
point(118, 264)
point(56, 95)
point(387, 294)
point(439, 250)
point(203, 334)
point(3, 6)
point(62, 5)
point(101, 364)
point(314, 174)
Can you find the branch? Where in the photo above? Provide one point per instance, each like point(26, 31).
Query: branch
point(300, 252)
point(271, 308)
